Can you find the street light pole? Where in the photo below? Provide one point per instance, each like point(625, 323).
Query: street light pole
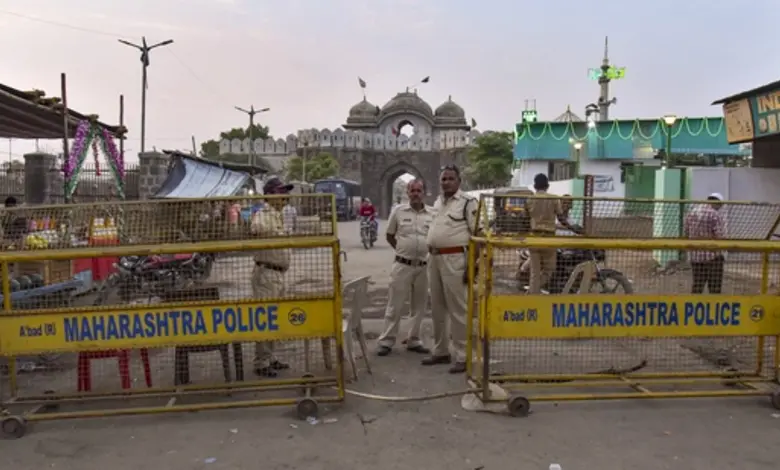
point(251, 112)
point(145, 49)
point(577, 148)
point(669, 120)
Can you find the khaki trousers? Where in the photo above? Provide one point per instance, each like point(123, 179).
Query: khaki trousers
point(407, 283)
point(542, 262)
point(448, 303)
point(266, 284)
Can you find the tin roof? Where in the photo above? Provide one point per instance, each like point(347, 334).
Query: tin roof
point(190, 177)
point(744, 94)
point(30, 115)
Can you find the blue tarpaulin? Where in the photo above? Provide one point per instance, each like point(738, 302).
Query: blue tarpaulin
point(194, 178)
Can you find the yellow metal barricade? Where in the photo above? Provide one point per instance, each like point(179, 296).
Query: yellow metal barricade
point(589, 343)
point(630, 318)
point(174, 322)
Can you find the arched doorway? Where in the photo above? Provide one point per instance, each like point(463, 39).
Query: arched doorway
point(393, 186)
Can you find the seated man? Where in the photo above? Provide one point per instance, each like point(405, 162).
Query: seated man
point(564, 228)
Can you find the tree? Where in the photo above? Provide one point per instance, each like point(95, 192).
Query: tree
point(490, 160)
point(320, 166)
point(210, 148)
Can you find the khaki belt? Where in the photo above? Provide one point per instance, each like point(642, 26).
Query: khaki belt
point(270, 266)
point(410, 262)
point(450, 250)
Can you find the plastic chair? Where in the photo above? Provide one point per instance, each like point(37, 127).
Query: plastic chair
point(123, 357)
point(352, 325)
point(356, 291)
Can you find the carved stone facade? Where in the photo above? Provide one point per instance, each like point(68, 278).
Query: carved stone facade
point(372, 150)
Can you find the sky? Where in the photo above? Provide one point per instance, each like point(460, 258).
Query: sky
point(302, 58)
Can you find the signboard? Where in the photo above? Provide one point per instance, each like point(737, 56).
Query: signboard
point(603, 184)
point(765, 109)
point(612, 73)
point(739, 121)
point(530, 115)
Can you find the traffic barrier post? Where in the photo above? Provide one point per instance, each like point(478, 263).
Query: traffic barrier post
point(175, 323)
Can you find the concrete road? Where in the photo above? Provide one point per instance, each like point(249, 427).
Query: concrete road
point(368, 434)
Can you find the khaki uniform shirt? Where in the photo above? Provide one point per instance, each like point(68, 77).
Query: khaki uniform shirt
point(450, 228)
point(543, 213)
point(410, 228)
point(268, 223)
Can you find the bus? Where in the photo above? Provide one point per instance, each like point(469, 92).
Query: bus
point(348, 195)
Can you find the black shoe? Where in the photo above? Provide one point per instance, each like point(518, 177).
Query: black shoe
point(266, 372)
point(420, 349)
point(434, 360)
point(458, 368)
point(383, 350)
point(276, 365)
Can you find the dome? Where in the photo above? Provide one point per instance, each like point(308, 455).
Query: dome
point(364, 109)
point(450, 109)
point(406, 102)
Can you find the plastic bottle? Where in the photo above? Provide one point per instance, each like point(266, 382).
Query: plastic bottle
point(555, 466)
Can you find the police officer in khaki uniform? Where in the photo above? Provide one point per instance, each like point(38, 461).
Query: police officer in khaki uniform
point(270, 267)
point(448, 239)
point(407, 231)
point(544, 213)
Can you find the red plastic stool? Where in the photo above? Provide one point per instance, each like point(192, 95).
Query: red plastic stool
point(123, 356)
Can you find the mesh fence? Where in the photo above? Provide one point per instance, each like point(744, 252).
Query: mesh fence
point(631, 272)
point(168, 282)
point(156, 222)
point(618, 218)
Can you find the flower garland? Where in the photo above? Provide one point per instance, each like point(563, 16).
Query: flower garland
point(80, 144)
point(77, 156)
point(96, 156)
point(116, 161)
point(86, 134)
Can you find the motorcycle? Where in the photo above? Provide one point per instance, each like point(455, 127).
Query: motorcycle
point(367, 232)
point(156, 274)
point(567, 261)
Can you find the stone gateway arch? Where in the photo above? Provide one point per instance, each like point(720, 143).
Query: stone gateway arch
point(372, 150)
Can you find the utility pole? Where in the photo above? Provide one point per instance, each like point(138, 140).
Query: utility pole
point(251, 112)
point(145, 49)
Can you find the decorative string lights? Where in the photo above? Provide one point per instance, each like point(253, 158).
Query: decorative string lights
point(646, 129)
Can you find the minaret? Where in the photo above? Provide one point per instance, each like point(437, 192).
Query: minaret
point(604, 79)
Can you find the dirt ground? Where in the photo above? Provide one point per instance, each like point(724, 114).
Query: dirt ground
point(439, 434)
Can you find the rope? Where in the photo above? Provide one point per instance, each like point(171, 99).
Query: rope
point(433, 396)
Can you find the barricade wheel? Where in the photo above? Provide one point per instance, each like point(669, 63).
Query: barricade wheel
point(518, 406)
point(775, 397)
point(307, 408)
point(14, 426)
point(307, 390)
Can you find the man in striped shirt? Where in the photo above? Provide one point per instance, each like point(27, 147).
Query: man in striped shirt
point(706, 223)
